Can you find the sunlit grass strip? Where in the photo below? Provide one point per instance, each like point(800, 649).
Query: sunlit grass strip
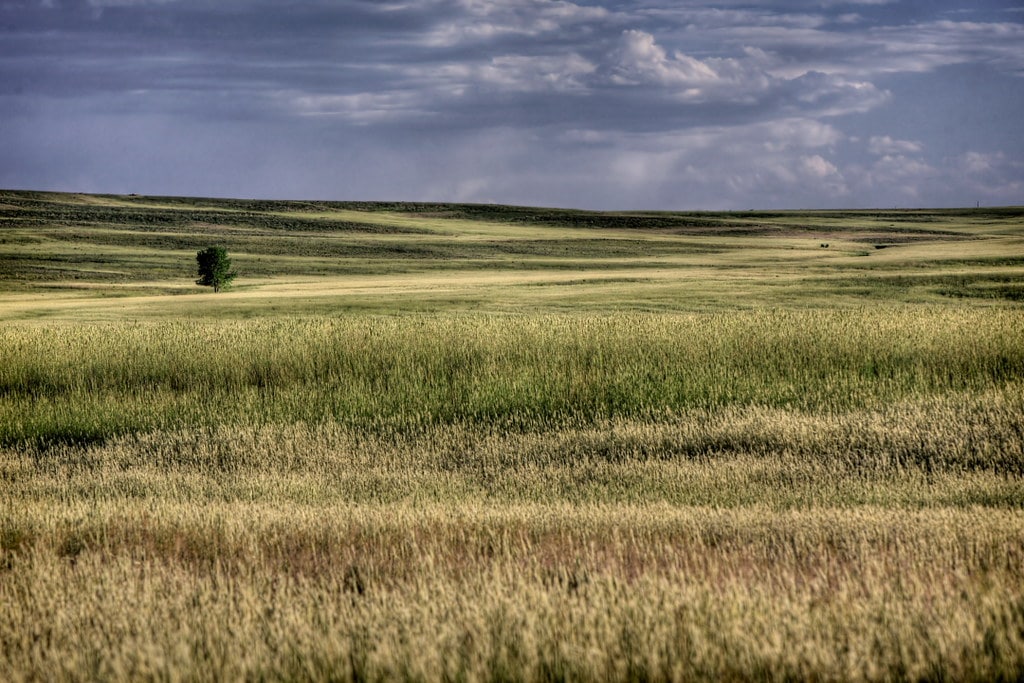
point(959, 450)
point(92, 382)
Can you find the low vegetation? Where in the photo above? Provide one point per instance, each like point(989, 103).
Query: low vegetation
point(448, 442)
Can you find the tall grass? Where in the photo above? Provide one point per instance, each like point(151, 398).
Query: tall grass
point(773, 495)
point(519, 593)
point(86, 383)
point(959, 451)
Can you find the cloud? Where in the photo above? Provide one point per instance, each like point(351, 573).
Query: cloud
point(522, 73)
point(360, 108)
point(925, 46)
point(816, 166)
point(832, 95)
point(977, 163)
point(900, 173)
point(476, 21)
point(883, 145)
point(640, 59)
point(850, 45)
point(992, 175)
point(651, 103)
point(712, 167)
point(604, 87)
point(745, 79)
point(799, 134)
point(694, 17)
point(127, 3)
point(898, 178)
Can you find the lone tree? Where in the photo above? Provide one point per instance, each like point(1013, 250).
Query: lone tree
point(214, 268)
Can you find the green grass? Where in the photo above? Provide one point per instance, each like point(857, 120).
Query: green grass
point(543, 372)
point(480, 443)
point(400, 258)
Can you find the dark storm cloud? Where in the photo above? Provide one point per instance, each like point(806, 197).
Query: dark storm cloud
point(650, 102)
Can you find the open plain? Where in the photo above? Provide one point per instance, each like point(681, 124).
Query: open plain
point(471, 442)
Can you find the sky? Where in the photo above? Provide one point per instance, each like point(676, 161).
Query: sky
point(649, 104)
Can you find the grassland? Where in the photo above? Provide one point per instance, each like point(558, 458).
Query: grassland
point(68, 256)
point(452, 442)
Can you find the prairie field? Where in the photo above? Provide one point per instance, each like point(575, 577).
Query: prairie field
point(481, 443)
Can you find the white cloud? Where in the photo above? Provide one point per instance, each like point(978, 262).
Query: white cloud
point(360, 108)
point(883, 145)
point(862, 50)
point(523, 73)
point(896, 176)
point(637, 69)
point(481, 20)
point(711, 167)
point(834, 95)
point(816, 166)
point(127, 3)
point(640, 59)
point(976, 162)
point(925, 46)
point(696, 18)
point(798, 133)
point(993, 176)
point(765, 164)
point(821, 173)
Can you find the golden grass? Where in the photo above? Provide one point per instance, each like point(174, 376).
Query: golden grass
point(495, 444)
point(530, 592)
point(768, 495)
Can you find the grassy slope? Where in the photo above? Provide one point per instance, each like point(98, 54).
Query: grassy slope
point(64, 254)
point(637, 446)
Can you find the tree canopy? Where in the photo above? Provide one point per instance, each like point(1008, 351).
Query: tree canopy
point(214, 268)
